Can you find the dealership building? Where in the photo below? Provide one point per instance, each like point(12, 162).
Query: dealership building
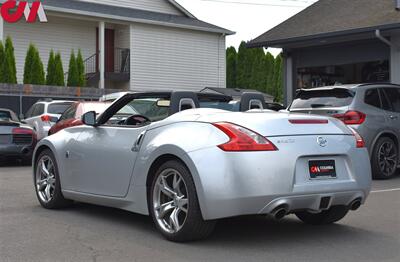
point(127, 44)
point(338, 42)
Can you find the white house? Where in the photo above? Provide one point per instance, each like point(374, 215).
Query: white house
point(127, 44)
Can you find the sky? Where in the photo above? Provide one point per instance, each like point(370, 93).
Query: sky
point(248, 18)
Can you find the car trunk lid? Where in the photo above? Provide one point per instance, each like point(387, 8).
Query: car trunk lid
point(271, 124)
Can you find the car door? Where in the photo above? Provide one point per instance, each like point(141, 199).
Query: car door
point(393, 112)
point(101, 160)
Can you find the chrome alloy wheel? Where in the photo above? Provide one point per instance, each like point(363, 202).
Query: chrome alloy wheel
point(387, 158)
point(170, 201)
point(45, 179)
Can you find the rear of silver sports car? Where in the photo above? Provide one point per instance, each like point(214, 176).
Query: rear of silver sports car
point(278, 164)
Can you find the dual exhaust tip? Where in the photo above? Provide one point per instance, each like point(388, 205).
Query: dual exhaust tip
point(281, 211)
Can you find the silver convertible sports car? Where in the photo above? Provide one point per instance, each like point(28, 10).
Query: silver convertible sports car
point(189, 166)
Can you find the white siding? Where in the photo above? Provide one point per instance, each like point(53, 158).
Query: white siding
point(167, 58)
point(161, 6)
point(60, 34)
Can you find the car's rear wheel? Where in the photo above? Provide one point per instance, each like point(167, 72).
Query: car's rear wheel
point(326, 217)
point(384, 158)
point(47, 182)
point(174, 205)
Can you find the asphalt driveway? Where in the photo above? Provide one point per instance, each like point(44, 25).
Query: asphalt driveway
point(91, 233)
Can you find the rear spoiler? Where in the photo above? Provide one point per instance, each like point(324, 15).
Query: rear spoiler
point(304, 91)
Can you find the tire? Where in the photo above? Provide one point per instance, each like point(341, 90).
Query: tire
point(56, 199)
point(330, 216)
point(379, 169)
point(192, 227)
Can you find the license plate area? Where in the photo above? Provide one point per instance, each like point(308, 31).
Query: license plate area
point(322, 169)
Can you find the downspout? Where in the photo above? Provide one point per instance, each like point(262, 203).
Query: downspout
point(382, 38)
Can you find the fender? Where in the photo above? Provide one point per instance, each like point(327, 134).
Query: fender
point(176, 139)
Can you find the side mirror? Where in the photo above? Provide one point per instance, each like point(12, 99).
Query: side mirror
point(89, 118)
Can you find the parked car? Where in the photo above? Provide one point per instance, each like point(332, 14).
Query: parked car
point(44, 114)
point(17, 140)
point(198, 165)
point(373, 110)
point(72, 116)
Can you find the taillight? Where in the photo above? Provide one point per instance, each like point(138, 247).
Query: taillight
point(243, 139)
point(352, 117)
point(45, 118)
point(359, 140)
point(22, 131)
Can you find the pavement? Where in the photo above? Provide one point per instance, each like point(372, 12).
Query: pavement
point(91, 233)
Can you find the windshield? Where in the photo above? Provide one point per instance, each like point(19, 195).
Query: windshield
point(58, 108)
point(322, 98)
point(146, 107)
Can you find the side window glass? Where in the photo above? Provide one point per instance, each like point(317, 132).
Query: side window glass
point(69, 113)
point(372, 98)
point(393, 96)
point(38, 110)
point(29, 113)
point(385, 101)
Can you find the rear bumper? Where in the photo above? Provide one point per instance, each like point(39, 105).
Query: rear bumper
point(234, 184)
point(16, 150)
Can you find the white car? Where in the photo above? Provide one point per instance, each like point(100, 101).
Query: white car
point(44, 114)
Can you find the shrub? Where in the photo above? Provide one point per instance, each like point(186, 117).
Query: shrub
point(81, 70)
point(73, 77)
point(51, 66)
point(10, 68)
point(58, 71)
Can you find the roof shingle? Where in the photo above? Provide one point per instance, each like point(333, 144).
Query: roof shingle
point(332, 17)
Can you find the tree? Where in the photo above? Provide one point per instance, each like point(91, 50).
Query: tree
point(278, 79)
point(257, 77)
point(10, 68)
point(2, 58)
point(59, 79)
point(269, 72)
point(30, 56)
point(81, 70)
point(231, 67)
point(73, 76)
point(51, 68)
point(244, 64)
point(37, 74)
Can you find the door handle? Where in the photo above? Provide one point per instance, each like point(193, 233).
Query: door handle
point(394, 117)
point(138, 143)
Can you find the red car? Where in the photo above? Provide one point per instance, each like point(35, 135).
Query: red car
point(72, 116)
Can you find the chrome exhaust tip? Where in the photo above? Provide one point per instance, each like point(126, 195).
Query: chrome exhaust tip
point(355, 205)
point(279, 213)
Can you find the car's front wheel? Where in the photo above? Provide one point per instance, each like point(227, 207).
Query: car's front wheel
point(384, 158)
point(47, 182)
point(174, 205)
point(326, 217)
